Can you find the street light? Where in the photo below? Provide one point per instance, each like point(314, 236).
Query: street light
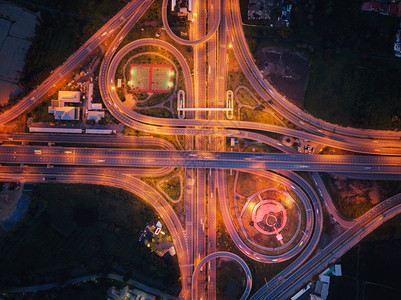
point(230, 45)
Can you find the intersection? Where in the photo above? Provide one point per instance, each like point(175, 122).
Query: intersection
point(206, 163)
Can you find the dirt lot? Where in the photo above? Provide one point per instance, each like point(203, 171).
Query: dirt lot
point(17, 28)
point(286, 70)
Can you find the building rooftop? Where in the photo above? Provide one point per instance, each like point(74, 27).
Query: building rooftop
point(65, 113)
point(97, 106)
point(95, 115)
point(69, 96)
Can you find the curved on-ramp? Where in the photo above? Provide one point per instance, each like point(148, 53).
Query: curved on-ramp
point(214, 255)
point(152, 124)
point(281, 104)
point(188, 42)
point(310, 221)
point(145, 192)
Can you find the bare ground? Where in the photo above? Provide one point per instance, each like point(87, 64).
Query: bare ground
point(287, 70)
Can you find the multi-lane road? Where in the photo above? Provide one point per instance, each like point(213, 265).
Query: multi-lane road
point(200, 159)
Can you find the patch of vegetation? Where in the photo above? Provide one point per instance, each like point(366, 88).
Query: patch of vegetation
point(354, 77)
point(253, 115)
point(230, 280)
point(93, 229)
point(248, 184)
point(40, 112)
point(82, 291)
point(348, 208)
point(172, 187)
point(245, 98)
point(157, 112)
point(141, 95)
point(155, 99)
point(63, 28)
point(353, 91)
point(351, 206)
point(147, 26)
point(372, 267)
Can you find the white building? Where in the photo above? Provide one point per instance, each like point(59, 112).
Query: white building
point(69, 96)
point(97, 106)
point(66, 113)
point(95, 115)
point(90, 95)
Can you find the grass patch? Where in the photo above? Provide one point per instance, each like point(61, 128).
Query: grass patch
point(172, 187)
point(352, 91)
point(252, 115)
point(353, 198)
point(157, 112)
point(155, 99)
point(83, 227)
point(346, 207)
point(245, 98)
point(372, 266)
point(230, 280)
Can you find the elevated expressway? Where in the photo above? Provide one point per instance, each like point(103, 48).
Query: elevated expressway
point(198, 159)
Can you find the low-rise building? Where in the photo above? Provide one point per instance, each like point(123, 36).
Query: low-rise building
point(69, 96)
point(97, 106)
point(96, 115)
point(66, 113)
point(61, 111)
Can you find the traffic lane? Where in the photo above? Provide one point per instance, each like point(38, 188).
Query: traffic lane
point(173, 161)
point(36, 95)
point(299, 161)
point(86, 139)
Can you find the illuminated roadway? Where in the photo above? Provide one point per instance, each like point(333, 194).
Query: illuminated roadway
point(223, 254)
point(291, 281)
point(198, 41)
point(313, 217)
point(202, 159)
point(71, 63)
point(281, 104)
point(369, 166)
point(183, 126)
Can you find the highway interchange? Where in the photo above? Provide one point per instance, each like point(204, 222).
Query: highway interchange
point(205, 164)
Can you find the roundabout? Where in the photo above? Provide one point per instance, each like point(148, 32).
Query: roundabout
point(269, 217)
point(270, 214)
